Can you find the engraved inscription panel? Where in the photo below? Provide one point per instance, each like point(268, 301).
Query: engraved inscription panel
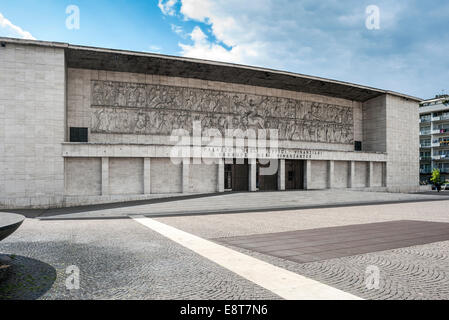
point(131, 108)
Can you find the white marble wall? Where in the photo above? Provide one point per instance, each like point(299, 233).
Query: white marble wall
point(126, 176)
point(32, 124)
point(361, 174)
point(402, 144)
point(166, 177)
point(320, 175)
point(83, 176)
point(391, 125)
point(202, 178)
point(341, 174)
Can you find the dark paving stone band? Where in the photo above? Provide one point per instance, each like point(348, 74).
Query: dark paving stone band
point(335, 242)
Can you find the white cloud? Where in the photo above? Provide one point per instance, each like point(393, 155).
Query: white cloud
point(322, 38)
point(167, 6)
point(178, 30)
point(240, 44)
point(12, 30)
point(198, 36)
point(156, 49)
point(199, 10)
point(203, 49)
point(221, 15)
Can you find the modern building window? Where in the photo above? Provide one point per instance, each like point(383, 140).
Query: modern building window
point(444, 167)
point(425, 143)
point(425, 169)
point(425, 131)
point(78, 134)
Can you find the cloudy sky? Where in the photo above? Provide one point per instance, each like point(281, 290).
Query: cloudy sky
point(409, 52)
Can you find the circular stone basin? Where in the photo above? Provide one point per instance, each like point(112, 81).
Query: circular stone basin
point(9, 222)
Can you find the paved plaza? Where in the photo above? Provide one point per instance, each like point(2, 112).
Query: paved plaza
point(236, 202)
point(120, 258)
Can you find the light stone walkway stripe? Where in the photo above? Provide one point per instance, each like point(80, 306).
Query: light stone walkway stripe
point(286, 284)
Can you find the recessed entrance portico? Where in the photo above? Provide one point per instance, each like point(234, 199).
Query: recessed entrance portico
point(266, 182)
point(237, 175)
point(294, 174)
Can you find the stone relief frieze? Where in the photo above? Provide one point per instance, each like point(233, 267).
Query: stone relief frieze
point(120, 107)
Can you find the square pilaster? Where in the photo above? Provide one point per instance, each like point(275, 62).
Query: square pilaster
point(281, 175)
point(104, 176)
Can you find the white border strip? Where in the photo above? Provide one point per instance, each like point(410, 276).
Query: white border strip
point(286, 284)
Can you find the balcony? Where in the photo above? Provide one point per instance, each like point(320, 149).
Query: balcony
point(424, 145)
point(440, 131)
point(424, 120)
point(440, 118)
point(440, 143)
point(426, 158)
point(425, 171)
point(425, 133)
point(441, 157)
point(435, 144)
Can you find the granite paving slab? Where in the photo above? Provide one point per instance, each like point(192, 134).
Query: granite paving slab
point(335, 242)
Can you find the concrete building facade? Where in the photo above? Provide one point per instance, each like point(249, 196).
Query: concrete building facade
point(434, 138)
point(81, 125)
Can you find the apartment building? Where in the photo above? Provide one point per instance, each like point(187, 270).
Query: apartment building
point(434, 137)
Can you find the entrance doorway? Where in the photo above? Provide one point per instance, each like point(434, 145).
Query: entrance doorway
point(266, 182)
point(294, 174)
point(237, 175)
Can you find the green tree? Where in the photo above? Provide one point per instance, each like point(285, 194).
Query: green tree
point(436, 177)
point(446, 100)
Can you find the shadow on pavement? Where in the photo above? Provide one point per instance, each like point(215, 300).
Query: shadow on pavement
point(214, 211)
point(26, 279)
point(39, 213)
point(435, 193)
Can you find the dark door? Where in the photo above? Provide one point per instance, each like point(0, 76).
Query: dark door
point(266, 182)
point(240, 175)
point(294, 174)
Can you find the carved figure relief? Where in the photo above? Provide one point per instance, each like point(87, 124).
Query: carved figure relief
point(131, 108)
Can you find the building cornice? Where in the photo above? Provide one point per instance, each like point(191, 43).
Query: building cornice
point(85, 57)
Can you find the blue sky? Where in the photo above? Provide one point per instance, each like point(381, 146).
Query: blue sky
point(409, 52)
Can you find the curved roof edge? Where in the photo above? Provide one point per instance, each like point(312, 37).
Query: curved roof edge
point(152, 63)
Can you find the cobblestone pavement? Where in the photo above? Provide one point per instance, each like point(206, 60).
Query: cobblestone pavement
point(412, 273)
point(259, 201)
point(418, 272)
point(118, 259)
